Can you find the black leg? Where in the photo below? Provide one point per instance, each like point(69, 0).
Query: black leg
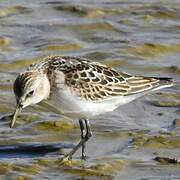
point(85, 135)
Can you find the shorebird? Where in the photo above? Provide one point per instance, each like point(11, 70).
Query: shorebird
point(78, 88)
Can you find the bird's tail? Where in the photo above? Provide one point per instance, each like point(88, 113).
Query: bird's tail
point(151, 84)
point(163, 83)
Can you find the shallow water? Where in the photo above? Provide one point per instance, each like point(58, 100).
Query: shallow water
point(140, 37)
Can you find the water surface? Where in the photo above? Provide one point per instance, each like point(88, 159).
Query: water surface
point(140, 140)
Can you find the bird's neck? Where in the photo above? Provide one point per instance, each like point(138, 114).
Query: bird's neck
point(45, 87)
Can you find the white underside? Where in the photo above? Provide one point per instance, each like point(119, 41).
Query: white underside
point(63, 102)
point(71, 106)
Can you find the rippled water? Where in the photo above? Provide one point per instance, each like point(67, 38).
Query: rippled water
point(140, 140)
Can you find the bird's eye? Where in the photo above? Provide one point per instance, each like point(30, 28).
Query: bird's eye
point(30, 93)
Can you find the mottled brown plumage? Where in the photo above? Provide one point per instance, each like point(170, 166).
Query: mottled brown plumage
point(91, 80)
point(79, 88)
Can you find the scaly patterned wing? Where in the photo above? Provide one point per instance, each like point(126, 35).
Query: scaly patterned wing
point(95, 81)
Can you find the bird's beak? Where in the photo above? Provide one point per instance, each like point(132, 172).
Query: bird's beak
point(16, 113)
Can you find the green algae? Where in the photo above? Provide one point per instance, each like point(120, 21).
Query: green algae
point(110, 167)
point(152, 50)
point(47, 162)
point(62, 47)
point(170, 14)
point(18, 64)
point(103, 168)
point(114, 63)
point(147, 18)
point(166, 103)
point(28, 169)
point(96, 26)
point(5, 168)
point(5, 44)
point(156, 142)
point(21, 178)
point(10, 11)
point(88, 12)
point(57, 125)
point(123, 134)
point(21, 63)
point(88, 173)
point(4, 41)
point(25, 118)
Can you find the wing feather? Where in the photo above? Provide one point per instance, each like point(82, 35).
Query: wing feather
point(95, 81)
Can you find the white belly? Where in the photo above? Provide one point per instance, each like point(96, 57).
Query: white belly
point(64, 103)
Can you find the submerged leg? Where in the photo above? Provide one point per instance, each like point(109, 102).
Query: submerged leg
point(85, 135)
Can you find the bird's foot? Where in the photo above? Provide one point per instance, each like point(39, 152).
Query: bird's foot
point(85, 135)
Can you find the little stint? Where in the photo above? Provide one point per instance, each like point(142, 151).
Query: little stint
point(78, 88)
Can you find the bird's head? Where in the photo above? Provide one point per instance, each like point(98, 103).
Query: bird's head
point(29, 88)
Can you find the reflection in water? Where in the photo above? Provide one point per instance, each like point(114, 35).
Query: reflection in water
point(29, 151)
